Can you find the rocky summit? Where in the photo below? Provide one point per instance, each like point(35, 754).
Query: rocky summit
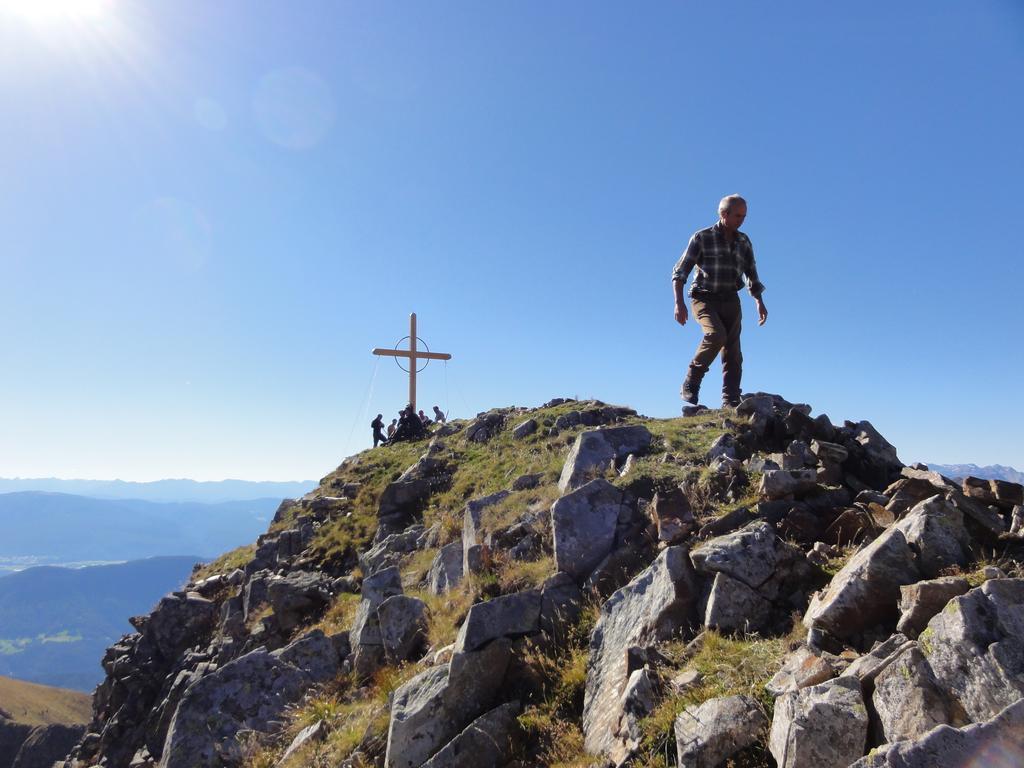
point(578, 585)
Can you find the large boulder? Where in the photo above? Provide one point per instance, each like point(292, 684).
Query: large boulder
point(732, 606)
point(975, 647)
point(506, 616)
point(753, 555)
point(432, 708)
point(12, 736)
point(865, 591)
point(390, 550)
point(786, 483)
point(934, 530)
point(248, 693)
point(402, 500)
point(178, 622)
point(878, 465)
point(920, 601)
point(365, 635)
point(995, 743)
point(908, 700)
point(710, 733)
point(638, 700)
point(824, 726)
point(803, 668)
point(654, 605)
point(314, 653)
point(487, 742)
point(403, 627)
point(671, 514)
point(446, 570)
point(297, 596)
point(583, 526)
point(473, 530)
point(47, 744)
point(561, 604)
point(594, 450)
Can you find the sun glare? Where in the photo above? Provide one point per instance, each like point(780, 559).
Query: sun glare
point(56, 10)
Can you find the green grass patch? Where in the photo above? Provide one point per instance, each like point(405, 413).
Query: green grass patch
point(729, 666)
point(226, 563)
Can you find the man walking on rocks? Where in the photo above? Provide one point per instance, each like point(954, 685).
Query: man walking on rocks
point(722, 257)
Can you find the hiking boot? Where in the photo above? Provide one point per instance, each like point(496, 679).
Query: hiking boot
point(689, 392)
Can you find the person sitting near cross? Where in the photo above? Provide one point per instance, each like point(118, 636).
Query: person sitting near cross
point(409, 426)
point(439, 416)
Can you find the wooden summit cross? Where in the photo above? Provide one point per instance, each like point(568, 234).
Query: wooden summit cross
point(412, 355)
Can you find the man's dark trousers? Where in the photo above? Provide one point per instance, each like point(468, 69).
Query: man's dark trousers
point(720, 318)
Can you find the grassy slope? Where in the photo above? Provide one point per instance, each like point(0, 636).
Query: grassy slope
point(33, 704)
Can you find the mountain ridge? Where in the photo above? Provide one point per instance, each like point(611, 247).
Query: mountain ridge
point(166, 490)
point(70, 528)
point(554, 585)
point(989, 472)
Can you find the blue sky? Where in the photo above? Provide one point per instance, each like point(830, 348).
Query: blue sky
point(211, 212)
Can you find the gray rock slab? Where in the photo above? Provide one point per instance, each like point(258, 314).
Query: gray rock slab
point(524, 429)
point(560, 606)
point(505, 616)
point(403, 627)
point(869, 665)
point(995, 743)
point(865, 591)
point(985, 517)
point(45, 745)
point(487, 742)
point(908, 700)
point(473, 528)
point(594, 450)
point(934, 530)
point(177, 622)
point(753, 555)
point(920, 601)
point(782, 483)
point(375, 590)
point(248, 693)
point(308, 735)
point(732, 606)
point(583, 526)
point(314, 653)
point(297, 596)
point(390, 550)
point(709, 734)
point(446, 570)
point(432, 708)
point(803, 668)
point(651, 607)
point(975, 646)
point(824, 726)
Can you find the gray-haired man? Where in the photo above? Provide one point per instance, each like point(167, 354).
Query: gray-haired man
point(722, 256)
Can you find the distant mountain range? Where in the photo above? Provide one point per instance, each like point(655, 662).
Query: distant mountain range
point(163, 490)
point(992, 472)
point(55, 623)
point(52, 528)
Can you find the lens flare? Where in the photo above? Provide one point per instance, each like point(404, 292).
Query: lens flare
point(47, 11)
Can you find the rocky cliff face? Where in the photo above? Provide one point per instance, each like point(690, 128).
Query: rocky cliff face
point(579, 585)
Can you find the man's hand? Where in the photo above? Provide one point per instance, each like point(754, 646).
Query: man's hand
point(762, 312)
point(681, 314)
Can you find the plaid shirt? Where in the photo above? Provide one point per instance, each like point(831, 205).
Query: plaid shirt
point(720, 266)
